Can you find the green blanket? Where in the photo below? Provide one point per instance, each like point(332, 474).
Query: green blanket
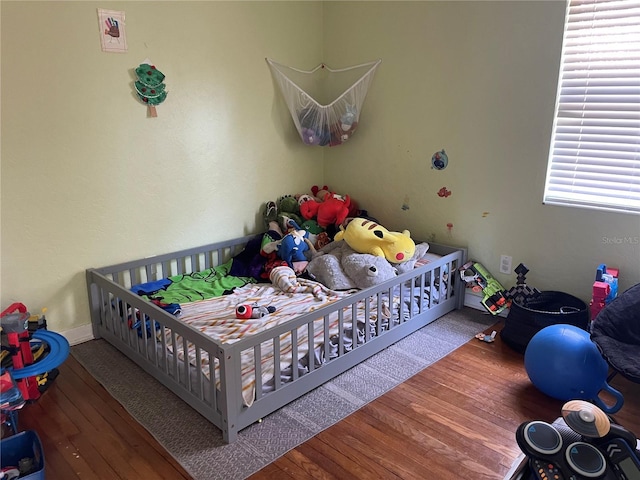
point(192, 287)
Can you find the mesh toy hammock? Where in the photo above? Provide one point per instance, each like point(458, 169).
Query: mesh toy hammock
point(332, 123)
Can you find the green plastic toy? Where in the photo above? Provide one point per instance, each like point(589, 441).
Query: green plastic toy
point(494, 299)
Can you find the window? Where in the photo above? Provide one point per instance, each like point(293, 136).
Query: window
point(594, 159)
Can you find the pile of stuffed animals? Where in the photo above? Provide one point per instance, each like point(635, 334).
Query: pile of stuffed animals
point(304, 232)
point(319, 214)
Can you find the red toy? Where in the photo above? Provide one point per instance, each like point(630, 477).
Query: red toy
point(333, 210)
point(605, 289)
point(601, 291)
point(14, 324)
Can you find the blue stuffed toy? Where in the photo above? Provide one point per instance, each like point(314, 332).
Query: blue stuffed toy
point(293, 245)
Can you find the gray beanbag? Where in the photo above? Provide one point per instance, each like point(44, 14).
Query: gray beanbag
point(616, 331)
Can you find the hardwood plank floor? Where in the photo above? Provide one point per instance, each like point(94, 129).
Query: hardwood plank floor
point(455, 419)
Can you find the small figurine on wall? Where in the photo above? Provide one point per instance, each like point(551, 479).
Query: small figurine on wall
point(150, 86)
point(439, 160)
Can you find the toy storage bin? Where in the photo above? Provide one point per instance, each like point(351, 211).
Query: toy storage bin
point(535, 313)
point(23, 445)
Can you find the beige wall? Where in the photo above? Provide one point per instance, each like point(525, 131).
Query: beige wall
point(479, 80)
point(88, 180)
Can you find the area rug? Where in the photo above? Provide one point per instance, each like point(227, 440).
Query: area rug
point(197, 445)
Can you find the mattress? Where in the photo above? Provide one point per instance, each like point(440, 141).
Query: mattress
point(216, 318)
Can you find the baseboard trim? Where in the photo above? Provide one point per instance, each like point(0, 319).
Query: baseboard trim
point(77, 335)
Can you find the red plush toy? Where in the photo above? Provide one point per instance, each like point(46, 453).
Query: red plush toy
point(334, 209)
point(341, 133)
point(319, 193)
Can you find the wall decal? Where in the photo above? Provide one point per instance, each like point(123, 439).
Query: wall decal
point(443, 192)
point(439, 160)
point(113, 37)
point(150, 86)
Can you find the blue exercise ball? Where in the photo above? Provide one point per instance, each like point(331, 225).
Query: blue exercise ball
point(563, 362)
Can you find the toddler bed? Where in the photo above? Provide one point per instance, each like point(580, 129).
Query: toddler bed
point(235, 372)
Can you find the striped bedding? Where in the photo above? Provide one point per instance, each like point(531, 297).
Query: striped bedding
point(216, 318)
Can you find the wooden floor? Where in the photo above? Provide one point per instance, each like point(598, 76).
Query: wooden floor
point(455, 419)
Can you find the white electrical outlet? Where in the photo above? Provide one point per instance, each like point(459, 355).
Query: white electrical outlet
point(505, 264)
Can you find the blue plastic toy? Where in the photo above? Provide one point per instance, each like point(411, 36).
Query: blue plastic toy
point(609, 277)
point(563, 362)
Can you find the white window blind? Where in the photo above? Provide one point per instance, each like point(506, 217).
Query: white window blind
point(594, 159)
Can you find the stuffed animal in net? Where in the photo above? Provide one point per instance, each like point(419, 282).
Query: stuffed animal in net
point(342, 130)
point(367, 236)
point(314, 127)
point(340, 134)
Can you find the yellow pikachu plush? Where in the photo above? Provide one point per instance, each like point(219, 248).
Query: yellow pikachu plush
point(366, 236)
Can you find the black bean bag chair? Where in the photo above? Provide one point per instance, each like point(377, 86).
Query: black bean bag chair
point(616, 332)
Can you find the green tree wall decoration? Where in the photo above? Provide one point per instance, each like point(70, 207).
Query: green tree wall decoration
point(150, 87)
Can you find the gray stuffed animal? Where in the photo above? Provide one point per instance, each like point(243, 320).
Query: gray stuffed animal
point(339, 267)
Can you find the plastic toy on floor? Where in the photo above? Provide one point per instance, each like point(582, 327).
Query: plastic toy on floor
point(583, 443)
point(605, 289)
point(15, 322)
point(20, 382)
point(489, 338)
point(494, 299)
